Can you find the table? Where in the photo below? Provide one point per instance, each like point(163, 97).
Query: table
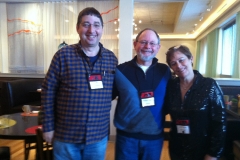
point(17, 131)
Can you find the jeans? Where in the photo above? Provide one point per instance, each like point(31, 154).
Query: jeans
point(79, 151)
point(135, 149)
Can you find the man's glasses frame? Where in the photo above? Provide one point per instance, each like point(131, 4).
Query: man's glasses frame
point(143, 43)
point(87, 25)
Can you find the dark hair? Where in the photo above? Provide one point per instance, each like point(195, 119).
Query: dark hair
point(183, 49)
point(89, 11)
point(139, 34)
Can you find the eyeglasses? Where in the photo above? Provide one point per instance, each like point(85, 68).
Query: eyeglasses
point(87, 25)
point(143, 43)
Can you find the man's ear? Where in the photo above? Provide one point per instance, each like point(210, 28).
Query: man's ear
point(77, 26)
point(134, 43)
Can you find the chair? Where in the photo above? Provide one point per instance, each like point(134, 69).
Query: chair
point(4, 153)
point(44, 150)
point(29, 144)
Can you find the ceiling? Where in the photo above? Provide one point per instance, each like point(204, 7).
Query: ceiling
point(178, 17)
point(172, 17)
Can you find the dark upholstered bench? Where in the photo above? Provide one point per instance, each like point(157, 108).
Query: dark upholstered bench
point(16, 93)
point(231, 90)
point(233, 124)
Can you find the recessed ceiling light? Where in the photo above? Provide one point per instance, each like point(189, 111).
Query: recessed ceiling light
point(209, 8)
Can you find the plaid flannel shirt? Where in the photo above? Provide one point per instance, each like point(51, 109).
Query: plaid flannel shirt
point(76, 113)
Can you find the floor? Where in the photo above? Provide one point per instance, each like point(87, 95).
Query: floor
point(17, 150)
point(111, 145)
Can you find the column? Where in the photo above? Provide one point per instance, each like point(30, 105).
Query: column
point(126, 8)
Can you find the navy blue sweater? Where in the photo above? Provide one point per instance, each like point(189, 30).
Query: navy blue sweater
point(131, 119)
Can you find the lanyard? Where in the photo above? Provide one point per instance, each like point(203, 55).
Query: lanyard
point(88, 69)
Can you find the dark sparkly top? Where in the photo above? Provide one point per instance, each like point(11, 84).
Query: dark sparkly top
point(203, 105)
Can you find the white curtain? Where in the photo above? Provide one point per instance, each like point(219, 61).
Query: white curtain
point(25, 38)
point(63, 18)
point(3, 39)
point(36, 29)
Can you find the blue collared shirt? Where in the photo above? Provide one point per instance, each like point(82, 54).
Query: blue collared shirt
point(76, 113)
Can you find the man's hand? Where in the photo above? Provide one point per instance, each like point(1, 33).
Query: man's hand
point(48, 136)
point(208, 157)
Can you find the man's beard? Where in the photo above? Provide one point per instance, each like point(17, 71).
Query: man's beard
point(146, 58)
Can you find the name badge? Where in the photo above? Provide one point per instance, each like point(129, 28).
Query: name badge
point(147, 99)
point(183, 126)
point(95, 81)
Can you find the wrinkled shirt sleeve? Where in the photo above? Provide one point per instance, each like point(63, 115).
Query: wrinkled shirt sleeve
point(49, 91)
point(218, 123)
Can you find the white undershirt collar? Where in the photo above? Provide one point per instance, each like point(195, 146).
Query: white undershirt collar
point(144, 68)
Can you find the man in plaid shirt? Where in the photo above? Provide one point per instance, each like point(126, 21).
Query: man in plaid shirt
point(77, 92)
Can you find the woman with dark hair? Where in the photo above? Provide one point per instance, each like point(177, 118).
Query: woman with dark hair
point(197, 110)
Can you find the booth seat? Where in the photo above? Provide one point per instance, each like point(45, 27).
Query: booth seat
point(19, 92)
point(230, 90)
point(233, 126)
point(236, 150)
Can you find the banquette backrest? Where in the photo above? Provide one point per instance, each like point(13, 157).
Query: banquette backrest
point(19, 92)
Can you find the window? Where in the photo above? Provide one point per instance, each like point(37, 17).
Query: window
point(203, 56)
point(228, 48)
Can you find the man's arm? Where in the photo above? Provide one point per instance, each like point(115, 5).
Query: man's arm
point(114, 90)
point(49, 91)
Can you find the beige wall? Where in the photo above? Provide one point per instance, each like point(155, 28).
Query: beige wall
point(166, 43)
